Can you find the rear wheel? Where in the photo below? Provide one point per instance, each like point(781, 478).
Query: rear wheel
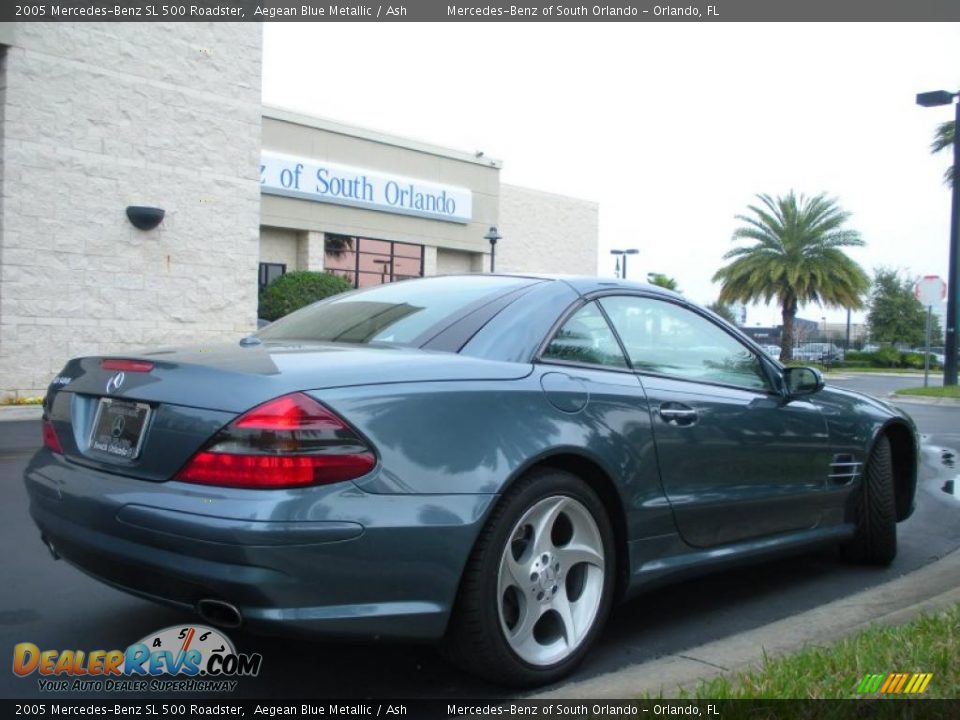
point(537, 588)
point(875, 512)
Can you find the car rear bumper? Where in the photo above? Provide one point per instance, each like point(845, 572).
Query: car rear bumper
point(331, 560)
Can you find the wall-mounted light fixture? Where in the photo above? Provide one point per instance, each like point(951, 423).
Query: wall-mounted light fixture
point(145, 218)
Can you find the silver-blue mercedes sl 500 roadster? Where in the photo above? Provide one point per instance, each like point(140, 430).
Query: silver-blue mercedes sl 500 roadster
point(487, 461)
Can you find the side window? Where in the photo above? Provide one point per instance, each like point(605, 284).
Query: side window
point(664, 338)
point(586, 338)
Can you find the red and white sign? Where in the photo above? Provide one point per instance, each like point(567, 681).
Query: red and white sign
point(930, 290)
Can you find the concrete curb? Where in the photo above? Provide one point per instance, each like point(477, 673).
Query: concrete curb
point(928, 589)
point(20, 412)
point(920, 400)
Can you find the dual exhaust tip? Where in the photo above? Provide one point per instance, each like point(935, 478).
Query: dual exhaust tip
point(215, 612)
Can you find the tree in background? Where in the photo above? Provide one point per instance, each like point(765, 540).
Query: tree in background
point(664, 281)
point(944, 138)
point(724, 310)
point(896, 316)
point(796, 257)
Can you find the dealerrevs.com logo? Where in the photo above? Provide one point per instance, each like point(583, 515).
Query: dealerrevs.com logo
point(180, 658)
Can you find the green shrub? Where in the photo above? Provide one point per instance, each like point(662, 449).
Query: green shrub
point(886, 357)
point(911, 360)
point(295, 290)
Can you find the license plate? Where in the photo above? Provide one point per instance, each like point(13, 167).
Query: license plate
point(118, 427)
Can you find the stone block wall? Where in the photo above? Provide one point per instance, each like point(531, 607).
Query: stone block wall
point(99, 116)
point(546, 233)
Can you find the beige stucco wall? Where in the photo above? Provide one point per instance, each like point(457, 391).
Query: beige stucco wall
point(456, 261)
point(547, 233)
point(304, 136)
point(99, 116)
point(278, 245)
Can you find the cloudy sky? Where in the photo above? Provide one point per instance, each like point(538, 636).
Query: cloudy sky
point(672, 128)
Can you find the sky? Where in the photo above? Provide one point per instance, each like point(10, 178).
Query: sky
point(672, 127)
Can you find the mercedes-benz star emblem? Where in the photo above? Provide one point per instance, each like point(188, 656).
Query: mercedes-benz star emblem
point(114, 383)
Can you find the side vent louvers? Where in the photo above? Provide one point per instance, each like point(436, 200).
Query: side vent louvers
point(844, 469)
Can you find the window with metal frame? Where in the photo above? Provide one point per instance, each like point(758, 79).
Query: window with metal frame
point(268, 273)
point(366, 262)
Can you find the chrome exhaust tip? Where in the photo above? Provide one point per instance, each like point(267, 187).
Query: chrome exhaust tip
point(220, 613)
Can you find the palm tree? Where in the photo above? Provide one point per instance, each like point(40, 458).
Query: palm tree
point(944, 138)
point(796, 257)
point(664, 281)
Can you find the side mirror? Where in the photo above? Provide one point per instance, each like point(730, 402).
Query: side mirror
point(802, 381)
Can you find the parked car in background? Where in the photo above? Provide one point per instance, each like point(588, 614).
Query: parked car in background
point(771, 350)
point(821, 352)
point(937, 355)
point(489, 462)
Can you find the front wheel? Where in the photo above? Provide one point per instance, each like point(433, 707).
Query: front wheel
point(538, 585)
point(875, 511)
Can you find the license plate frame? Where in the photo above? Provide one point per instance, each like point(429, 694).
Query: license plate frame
point(114, 441)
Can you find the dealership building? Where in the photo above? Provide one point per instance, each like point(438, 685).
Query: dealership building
point(104, 125)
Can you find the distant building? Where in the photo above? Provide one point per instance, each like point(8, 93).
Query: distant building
point(98, 120)
point(810, 331)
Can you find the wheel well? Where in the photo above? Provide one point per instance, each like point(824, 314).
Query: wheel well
point(904, 467)
point(601, 483)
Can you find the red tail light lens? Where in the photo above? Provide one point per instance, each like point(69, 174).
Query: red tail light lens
point(292, 441)
point(50, 439)
point(126, 365)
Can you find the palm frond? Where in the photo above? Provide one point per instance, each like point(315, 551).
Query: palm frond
point(793, 254)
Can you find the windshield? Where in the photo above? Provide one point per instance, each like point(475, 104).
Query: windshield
point(397, 313)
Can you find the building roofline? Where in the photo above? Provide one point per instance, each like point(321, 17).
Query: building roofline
point(291, 116)
point(550, 193)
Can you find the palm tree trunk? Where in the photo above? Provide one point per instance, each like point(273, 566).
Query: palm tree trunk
point(786, 337)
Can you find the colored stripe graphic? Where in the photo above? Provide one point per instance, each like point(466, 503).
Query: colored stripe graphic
point(870, 683)
point(895, 683)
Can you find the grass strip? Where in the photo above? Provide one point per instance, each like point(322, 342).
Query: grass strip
point(928, 644)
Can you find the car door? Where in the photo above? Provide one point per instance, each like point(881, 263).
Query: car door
point(737, 461)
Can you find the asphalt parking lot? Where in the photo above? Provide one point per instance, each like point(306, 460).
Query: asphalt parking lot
point(55, 606)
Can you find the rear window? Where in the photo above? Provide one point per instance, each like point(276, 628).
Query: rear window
point(398, 313)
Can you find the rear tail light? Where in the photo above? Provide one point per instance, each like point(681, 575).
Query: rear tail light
point(126, 365)
point(292, 441)
point(50, 439)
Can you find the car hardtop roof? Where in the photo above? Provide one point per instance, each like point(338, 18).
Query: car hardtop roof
point(585, 284)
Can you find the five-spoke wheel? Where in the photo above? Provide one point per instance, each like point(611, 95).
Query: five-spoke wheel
point(538, 585)
point(550, 580)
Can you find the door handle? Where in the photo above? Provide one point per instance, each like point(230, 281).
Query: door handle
point(678, 414)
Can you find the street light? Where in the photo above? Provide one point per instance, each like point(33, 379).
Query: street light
point(492, 235)
point(623, 254)
point(935, 99)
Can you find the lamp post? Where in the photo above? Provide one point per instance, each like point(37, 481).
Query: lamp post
point(934, 99)
point(622, 254)
point(492, 235)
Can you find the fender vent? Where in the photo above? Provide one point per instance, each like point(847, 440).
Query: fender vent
point(844, 469)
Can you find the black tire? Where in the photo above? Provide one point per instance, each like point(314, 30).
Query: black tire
point(874, 510)
point(475, 639)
